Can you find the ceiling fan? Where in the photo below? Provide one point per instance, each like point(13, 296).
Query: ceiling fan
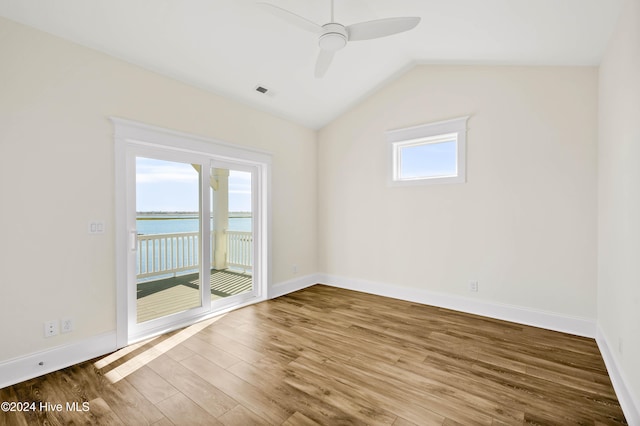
point(334, 36)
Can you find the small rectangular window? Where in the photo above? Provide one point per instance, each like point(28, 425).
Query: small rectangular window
point(431, 153)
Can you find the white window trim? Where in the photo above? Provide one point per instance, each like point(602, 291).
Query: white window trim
point(428, 133)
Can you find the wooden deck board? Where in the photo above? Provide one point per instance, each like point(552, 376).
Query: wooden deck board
point(329, 356)
point(176, 294)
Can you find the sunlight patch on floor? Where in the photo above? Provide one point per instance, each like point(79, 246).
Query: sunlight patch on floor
point(152, 353)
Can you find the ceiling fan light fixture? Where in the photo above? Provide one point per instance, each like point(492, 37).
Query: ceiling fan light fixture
point(334, 37)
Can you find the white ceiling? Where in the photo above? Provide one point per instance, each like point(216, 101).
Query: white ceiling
point(232, 46)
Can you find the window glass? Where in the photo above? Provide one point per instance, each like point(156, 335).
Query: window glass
point(427, 160)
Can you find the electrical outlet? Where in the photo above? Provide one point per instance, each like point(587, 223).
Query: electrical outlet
point(294, 269)
point(473, 286)
point(66, 325)
point(51, 328)
point(620, 345)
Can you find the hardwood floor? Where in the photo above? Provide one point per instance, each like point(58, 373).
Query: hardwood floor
point(330, 356)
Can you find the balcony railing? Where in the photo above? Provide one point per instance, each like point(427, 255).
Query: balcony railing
point(239, 253)
point(171, 254)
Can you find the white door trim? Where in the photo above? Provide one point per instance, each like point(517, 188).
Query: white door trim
point(131, 135)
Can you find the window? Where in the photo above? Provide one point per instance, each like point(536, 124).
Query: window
point(427, 154)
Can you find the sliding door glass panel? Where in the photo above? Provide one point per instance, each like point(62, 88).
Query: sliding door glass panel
point(232, 199)
point(169, 246)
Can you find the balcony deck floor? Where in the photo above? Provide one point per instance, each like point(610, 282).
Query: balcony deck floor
point(176, 294)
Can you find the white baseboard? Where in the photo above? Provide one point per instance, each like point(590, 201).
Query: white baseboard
point(630, 405)
point(290, 286)
point(522, 315)
point(36, 364)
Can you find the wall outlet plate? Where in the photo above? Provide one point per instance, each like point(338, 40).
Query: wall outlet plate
point(96, 227)
point(51, 328)
point(66, 325)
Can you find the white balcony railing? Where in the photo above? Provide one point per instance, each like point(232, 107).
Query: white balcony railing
point(239, 252)
point(170, 254)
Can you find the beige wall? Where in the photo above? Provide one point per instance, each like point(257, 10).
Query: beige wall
point(619, 196)
point(524, 225)
point(57, 174)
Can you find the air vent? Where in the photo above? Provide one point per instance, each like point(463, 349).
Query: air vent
point(261, 89)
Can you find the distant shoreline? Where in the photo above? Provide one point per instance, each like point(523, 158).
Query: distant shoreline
point(180, 215)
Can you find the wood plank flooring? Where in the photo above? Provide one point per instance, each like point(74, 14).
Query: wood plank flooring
point(335, 357)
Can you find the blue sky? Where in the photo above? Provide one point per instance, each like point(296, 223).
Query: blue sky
point(433, 159)
point(170, 186)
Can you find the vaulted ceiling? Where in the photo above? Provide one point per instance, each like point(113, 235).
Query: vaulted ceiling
point(231, 46)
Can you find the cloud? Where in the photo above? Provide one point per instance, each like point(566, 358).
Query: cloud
point(158, 171)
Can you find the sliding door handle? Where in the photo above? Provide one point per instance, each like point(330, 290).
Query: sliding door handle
point(133, 240)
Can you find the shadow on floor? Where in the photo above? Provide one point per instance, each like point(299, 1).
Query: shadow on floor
point(223, 283)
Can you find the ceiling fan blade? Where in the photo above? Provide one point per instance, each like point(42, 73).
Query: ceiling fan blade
point(381, 28)
point(292, 18)
point(322, 64)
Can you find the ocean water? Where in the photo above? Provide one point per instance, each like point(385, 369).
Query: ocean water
point(167, 224)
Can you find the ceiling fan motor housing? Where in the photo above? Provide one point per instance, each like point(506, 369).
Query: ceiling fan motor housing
point(334, 37)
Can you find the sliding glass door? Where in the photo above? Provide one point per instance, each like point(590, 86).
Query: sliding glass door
point(191, 232)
